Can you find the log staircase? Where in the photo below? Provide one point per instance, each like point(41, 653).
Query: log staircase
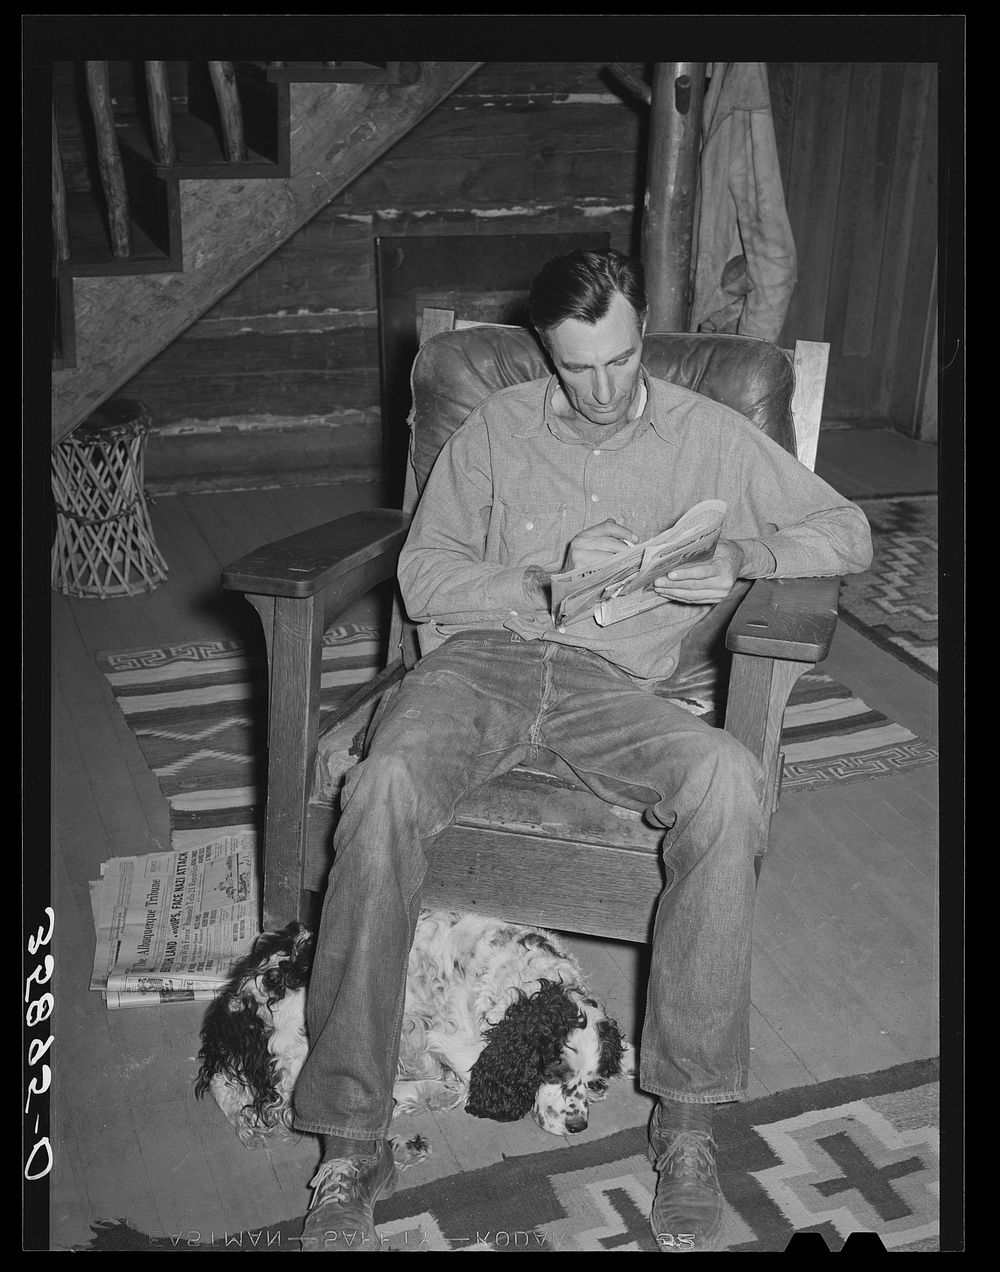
point(191, 201)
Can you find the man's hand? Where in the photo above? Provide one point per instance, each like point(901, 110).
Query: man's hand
point(599, 543)
point(705, 582)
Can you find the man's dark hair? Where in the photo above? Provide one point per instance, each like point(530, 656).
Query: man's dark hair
point(582, 285)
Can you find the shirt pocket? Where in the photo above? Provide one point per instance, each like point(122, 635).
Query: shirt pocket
point(535, 535)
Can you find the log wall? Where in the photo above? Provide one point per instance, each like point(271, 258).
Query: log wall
point(280, 381)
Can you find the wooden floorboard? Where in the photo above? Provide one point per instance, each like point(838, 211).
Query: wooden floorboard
point(95, 1139)
point(196, 554)
point(774, 1066)
point(845, 947)
point(874, 463)
point(842, 936)
point(882, 681)
point(128, 802)
point(114, 623)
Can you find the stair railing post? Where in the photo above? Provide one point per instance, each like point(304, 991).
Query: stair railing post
point(224, 84)
point(109, 160)
point(160, 114)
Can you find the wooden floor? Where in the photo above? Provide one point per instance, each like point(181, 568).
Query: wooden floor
point(845, 951)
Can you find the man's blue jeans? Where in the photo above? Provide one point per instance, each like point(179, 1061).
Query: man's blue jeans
point(469, 710)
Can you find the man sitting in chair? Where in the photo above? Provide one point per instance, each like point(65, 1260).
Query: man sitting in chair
point(545, 476)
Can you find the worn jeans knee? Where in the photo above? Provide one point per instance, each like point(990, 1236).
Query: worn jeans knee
point(722, 788)
point(718, 763)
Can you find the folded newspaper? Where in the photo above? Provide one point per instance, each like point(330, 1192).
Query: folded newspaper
point(170, 925)
point(610, 592)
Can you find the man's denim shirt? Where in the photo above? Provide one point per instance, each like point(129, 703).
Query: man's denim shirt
point(515, 483)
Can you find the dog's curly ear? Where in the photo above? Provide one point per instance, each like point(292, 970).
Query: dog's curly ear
point(234, 1035)
point(519, 1048)
point(233, 1045)
point(503, 1081)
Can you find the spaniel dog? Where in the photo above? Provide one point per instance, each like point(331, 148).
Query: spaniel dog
point(497, 1017)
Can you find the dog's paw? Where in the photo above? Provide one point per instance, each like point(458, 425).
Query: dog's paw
point(257, 1136)
point(407, 1153)
point(629, 1061)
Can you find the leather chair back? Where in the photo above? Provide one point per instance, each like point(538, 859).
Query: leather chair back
point(456, 370)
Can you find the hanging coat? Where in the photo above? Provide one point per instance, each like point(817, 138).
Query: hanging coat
point(745, 266)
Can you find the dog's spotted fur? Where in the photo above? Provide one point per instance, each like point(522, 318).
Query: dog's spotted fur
point(497, 1017)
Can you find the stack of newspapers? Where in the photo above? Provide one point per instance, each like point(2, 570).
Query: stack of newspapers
point(170, 925)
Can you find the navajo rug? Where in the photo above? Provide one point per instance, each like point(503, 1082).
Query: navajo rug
point(895, 602)
point(856, 1154)
point(198, 710)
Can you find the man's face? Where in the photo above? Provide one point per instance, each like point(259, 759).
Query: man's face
point(598, 364)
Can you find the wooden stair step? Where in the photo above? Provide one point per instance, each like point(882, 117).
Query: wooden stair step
point(199, 150)
point(153, 197)
point(90, 244)
point(117, 317)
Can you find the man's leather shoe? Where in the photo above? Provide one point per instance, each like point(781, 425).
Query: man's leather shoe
point(687, 1209)
point(346, 1189)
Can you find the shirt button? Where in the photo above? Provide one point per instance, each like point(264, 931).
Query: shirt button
point(560, 629)
point(593, 498)
point(513, 613)
point(597, 452)
point(529, 525)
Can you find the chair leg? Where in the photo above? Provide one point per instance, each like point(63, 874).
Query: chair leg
point(758, 693)
point(294, 631)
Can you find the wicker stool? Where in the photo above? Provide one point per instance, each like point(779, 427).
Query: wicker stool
point(104, 542)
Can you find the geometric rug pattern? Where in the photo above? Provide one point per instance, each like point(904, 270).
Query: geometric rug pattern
point(895, 601)
point(198, 711)
point(830, 737)
point(852, 1155)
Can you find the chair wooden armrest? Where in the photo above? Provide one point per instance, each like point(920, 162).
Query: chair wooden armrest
point(351, 551)
point(786, 618)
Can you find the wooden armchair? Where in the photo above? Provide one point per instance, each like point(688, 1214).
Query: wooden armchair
point(533, 846)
